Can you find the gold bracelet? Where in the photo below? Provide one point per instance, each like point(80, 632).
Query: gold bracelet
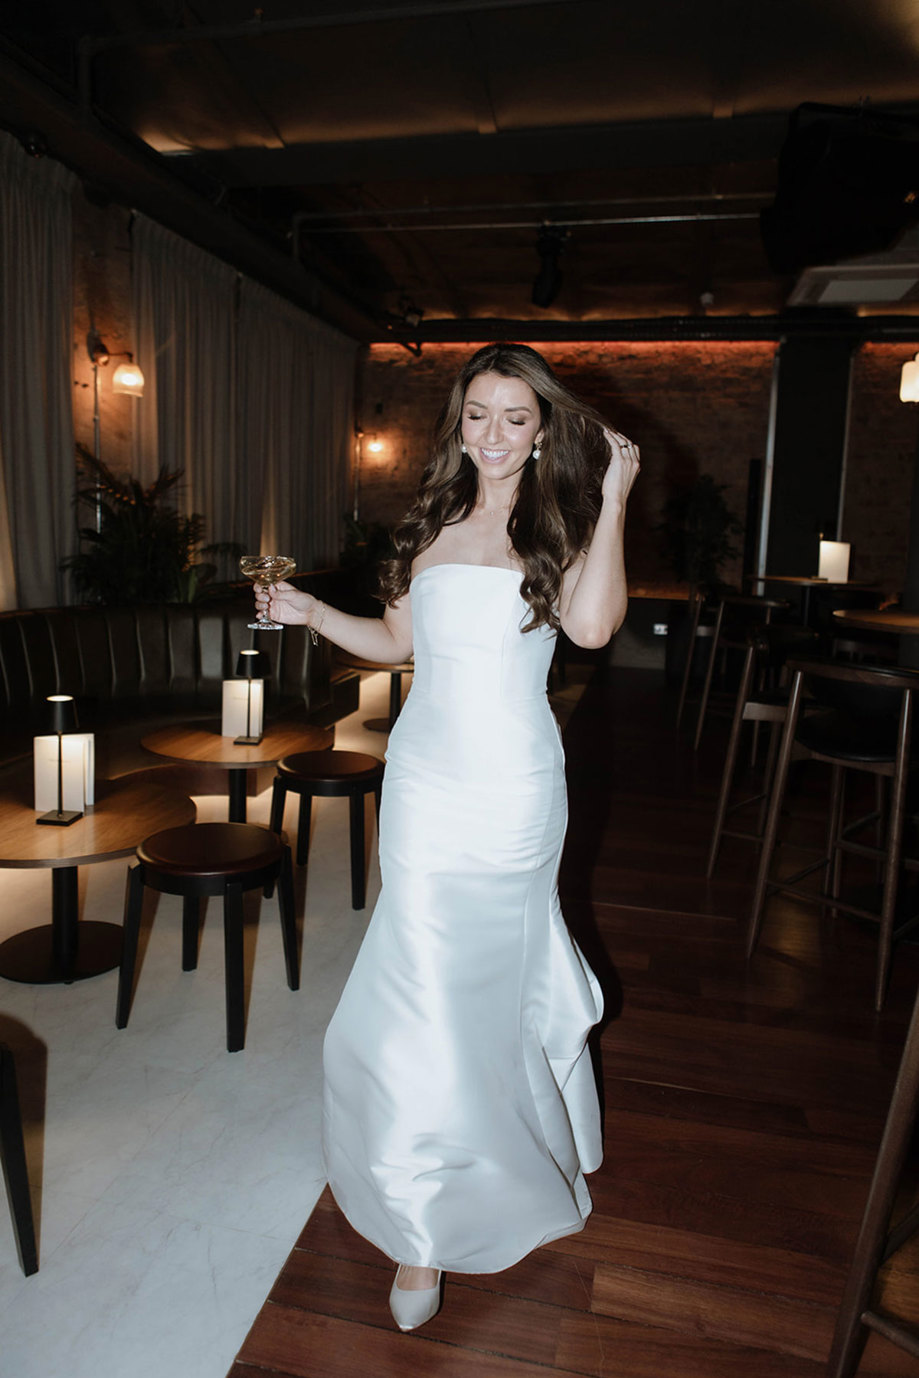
point(314, 631)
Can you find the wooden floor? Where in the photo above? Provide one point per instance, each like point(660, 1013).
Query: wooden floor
point(743, 1108)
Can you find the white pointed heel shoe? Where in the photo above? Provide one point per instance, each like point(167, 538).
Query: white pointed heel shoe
point(413, 1308)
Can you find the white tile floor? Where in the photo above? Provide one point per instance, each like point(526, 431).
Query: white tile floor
point(171, 1178)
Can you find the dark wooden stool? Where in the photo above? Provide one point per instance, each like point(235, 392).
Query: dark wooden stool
point(875, 1245)
point(13, 1156)
point(330, 774)
point(210, 859)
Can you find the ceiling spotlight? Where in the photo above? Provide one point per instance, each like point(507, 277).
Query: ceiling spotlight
point(549, 245)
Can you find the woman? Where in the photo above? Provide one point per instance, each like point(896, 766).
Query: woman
point(460, 1108)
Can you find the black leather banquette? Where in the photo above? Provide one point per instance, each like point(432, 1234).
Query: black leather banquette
point(131, 669)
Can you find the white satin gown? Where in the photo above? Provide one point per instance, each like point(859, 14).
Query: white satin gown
point(460, 1110)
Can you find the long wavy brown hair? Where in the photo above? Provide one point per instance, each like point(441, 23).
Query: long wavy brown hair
point(558, 497)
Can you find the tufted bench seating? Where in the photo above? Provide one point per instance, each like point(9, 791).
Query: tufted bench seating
point(132, 669)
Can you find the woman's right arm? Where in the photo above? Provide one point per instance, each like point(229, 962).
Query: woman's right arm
point(385, 640)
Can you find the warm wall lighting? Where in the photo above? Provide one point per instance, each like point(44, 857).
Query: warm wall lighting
point(375, 445)
point(909, 381)
point(128, 379)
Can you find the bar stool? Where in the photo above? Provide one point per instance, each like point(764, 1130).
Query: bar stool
point(12, 1152)
point(330, 774)
point(737, 613)
point(875, 1245)
point(699, 630)
point(203, 859)
point(762, 697)
point(866, 726)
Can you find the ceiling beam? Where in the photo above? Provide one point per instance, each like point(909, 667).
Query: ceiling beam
point(644, 144)
point(132, 175)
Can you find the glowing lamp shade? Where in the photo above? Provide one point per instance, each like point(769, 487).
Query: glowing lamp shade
point(909, 381)
point(129, 379)
point(834, 561)
point(375, 445)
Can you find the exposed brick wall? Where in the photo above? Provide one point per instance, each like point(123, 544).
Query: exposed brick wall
point(693, 408)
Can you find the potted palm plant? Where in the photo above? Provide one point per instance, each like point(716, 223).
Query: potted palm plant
point(140, 549)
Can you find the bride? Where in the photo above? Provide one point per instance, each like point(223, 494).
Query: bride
point(460, 1110)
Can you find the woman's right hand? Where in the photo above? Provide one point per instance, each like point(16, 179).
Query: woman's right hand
point(283, 603)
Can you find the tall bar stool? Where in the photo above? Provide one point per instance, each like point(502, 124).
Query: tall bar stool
point(330, 774)
point(866, 726)
point(701, 627)
point(762, 697)
point(875, 1245)
point(204, 859)
point(736, 614)
point(13, 1154)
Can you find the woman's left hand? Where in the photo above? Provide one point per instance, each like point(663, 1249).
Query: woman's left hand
point(622, 470)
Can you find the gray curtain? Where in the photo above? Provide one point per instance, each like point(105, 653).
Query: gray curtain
point(248, 394)
point(185, 341)
point(296, 426)
point(37, 525)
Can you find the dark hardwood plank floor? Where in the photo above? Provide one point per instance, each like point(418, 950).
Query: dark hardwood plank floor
point(743, 1108)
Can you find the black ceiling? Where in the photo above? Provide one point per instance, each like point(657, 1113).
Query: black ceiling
point(430, 159)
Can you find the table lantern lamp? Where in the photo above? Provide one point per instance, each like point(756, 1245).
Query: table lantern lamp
point(61, 721)
point(244, 699)
point(834, 561)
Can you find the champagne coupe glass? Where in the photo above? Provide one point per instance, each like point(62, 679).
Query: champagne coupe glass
point(265, 570)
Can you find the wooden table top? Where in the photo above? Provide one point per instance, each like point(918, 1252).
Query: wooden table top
point(880, 619)
point(394, 667)
point(807, 580)
point(203, 743)
point(124, 814)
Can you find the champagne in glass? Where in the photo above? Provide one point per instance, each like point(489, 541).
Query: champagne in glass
point(265, 570)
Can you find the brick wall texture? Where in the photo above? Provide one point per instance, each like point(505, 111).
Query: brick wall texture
point(693, 408)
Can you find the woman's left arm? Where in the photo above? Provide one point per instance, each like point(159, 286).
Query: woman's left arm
point(594, 594)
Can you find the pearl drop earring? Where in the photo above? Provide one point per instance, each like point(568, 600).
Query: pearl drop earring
point(463, 447)
point(536, 452)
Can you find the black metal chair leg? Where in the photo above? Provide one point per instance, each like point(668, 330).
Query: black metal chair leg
point(358, 886)
point(15, 1170)
point(133, 905)
point(278, 800)
point(191, 923)
point(234, 967)
point(288, 920)
point(304, 822)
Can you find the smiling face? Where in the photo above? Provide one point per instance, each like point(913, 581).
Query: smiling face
point(501, 424)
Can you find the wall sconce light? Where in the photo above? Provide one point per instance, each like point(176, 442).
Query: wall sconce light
point(128, 379)
point(64, 765)
point(909, 381)
point(375, 445)
point(244, 699)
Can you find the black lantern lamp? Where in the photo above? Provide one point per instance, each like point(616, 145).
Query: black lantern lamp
point(252, 666)
point(61, 719)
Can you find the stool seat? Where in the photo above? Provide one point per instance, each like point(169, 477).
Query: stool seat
point(211, 849)
point(330, 774)
point(211, 859)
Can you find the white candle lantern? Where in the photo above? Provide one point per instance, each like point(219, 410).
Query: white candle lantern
point(834, 562)
point(64, 766)
point(244, 699)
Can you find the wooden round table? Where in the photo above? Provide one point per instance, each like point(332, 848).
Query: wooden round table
point(880, 620)
point(202, 743)
point(395, 670)
point(124, 814)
